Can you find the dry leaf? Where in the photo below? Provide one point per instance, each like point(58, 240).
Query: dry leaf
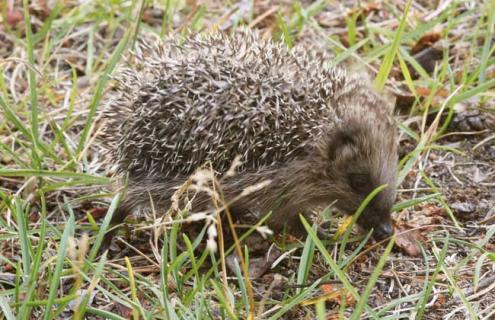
point(408, 241)
point(98, 212)
point(365, 9)
point(432, 210)
point(331, 294)
point(440, 302)
point(327, 288)
point(343, 227)
point(425, 92)
point(14, 17)
point(427, 40)
point(123, 311)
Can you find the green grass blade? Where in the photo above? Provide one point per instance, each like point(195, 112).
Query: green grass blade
point(114, 59)
point(81, 310)
point(388, 61)
point(432, 185)
point(329, 260)
point(290, 303)
point(103, 314)
point(12, 117)
point(104, 227)
point(413, 202)
point(453, 282)
point(242, 285)
point(347, 261)
point(356, 216)
point(47, 24)
point(32, 281)
point(320, 310)
point(32, 86)
point(7, 311)
point(86, 178)
point(371, 282)
point(23, 237)
point(487, 47)
point(429, 287)
point(306, 262)
point(62, 250)
point(482, 88)
point(333, 265)
point(224, 302)
point(286, 36)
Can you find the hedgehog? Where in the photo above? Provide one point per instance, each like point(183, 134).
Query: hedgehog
point(321, 135)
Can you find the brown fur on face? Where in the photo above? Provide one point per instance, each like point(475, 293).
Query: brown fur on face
point(348, 164)
point(363, 159)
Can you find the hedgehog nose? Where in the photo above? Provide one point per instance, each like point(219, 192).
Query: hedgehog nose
point(383, 230)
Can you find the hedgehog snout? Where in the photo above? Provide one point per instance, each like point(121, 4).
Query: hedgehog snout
point(383, 230)
point(378, 220)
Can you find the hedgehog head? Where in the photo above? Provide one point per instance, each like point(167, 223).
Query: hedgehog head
point(360, 155)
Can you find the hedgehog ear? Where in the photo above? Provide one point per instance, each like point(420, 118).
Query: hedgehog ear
point(341, 143)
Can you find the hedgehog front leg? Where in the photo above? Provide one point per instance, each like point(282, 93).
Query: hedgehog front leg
point(118, 217)
point(142, 193)
point(286, 219)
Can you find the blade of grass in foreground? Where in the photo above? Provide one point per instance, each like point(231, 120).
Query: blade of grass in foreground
point(333, 265)
point(293, 301)
point(7, 312)
point(132, 282)
point(82, 308)
point(285, 32)
point(432, 185)
point(487, 47)
point(328, 258)
point(104, 227)
point(164, 280)
point(422, 305)
point(459, 292)
point(13, 118)
point(114, 59)
point(320, 310)
point(355, 217)
point(23, 237)
point(371, 282)
point(412, 202)
point(32, 86)
point(222, 299)
point(47, 173)
point(32, 280)
point(388, 61)
point(104, 314)
point(10, 115)
point(345, 264)
point(306, 262)
point(62, 250)
point(242, 286)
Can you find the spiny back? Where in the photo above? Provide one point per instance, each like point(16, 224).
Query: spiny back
point(178, 104)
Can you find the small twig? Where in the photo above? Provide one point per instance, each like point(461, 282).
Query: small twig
point(470, 294)
point(263, 16)
point(482, 142)
point(238, 249)
point(305, 285)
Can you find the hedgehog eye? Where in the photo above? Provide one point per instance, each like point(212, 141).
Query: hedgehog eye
point(359, 181)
